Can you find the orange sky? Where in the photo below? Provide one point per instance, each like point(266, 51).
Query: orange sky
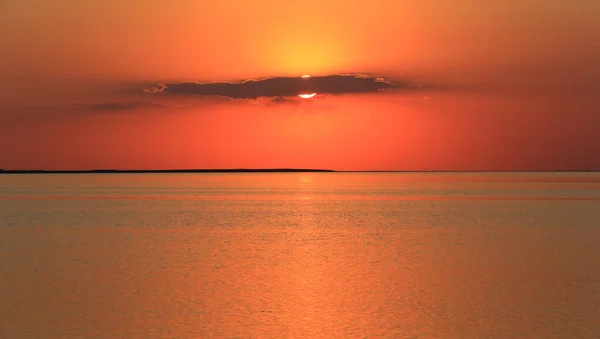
point(517, 84)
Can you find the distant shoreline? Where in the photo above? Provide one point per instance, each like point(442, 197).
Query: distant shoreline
point(264, 170)
point(114, 171)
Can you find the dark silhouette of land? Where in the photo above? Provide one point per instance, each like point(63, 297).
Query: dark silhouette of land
point(109, 171)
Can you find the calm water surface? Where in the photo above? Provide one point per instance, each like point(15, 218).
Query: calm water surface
point(328, 255)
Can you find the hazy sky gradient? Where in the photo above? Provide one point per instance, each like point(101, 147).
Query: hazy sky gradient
point(515, 84)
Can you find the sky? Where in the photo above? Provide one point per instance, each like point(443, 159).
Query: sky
point(473, 84)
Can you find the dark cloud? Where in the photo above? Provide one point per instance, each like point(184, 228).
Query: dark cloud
point(279, 87)
point(278, 100)
point(123, 106)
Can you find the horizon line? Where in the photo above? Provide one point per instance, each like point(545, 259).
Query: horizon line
point(268, 170)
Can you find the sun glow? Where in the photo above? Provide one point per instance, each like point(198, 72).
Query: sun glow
point(307, 96)
point(306, 76)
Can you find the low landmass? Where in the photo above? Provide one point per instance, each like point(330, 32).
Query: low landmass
point(109, 171)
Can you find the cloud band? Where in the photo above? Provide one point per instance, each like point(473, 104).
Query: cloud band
point(278, 86)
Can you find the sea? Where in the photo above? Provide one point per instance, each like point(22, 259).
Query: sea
point(300, 255)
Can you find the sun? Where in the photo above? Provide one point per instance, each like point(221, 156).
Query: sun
point(306, 95)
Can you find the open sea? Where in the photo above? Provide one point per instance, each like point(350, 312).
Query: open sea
point(300, 255)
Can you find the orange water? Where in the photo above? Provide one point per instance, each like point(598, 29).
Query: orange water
point(328, 255)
